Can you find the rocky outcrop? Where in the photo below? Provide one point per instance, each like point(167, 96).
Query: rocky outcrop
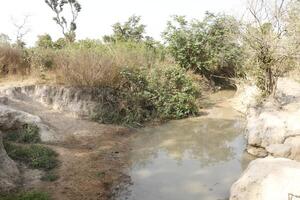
point(273, 127)
point(268, 179)
point(82, 102)
point(273, 132)
point(14, 119)
point(9, 173)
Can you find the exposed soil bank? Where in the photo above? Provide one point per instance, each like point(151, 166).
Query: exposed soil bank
point(92, 156)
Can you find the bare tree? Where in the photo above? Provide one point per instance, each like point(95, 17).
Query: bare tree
point(21, 30)
point(266, 38)
point(68, 29)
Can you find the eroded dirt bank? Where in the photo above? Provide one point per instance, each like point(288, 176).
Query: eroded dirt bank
point(92, 155)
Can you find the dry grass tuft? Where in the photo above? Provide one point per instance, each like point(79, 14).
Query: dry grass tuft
point(87, 68)
point(12, 61)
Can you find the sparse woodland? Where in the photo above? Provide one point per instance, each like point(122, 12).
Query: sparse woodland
point(162, 79)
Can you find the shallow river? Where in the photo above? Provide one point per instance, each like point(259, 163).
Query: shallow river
point(191, 159)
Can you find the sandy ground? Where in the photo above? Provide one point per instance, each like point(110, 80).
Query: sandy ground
point(92, 158)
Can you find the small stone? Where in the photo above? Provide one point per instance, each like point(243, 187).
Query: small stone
point(257, 151)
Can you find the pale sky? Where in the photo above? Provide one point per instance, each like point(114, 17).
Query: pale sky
point(97, 16)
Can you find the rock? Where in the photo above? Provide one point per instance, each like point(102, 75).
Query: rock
point(245, 98)
point(268, 179)
point(13, 119)
point(257, 151)
point(279, 150)
point(9, 173)
point(274, 120)
point(294, 142)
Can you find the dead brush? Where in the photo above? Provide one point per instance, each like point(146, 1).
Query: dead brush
point(13, 61)
point(87, 68)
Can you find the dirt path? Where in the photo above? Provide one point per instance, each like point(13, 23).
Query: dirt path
point(92, 155)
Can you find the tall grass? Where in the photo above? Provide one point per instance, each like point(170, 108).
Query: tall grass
point(143, 85)
point(13, 60)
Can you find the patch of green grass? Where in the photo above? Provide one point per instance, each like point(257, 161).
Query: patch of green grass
point(27, 196)
point(29, 133)
point(35, 156)
point(100, 174)
point(50, 177)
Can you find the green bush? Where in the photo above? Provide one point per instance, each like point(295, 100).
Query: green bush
point(27, 196)
point(173, 92)
point(160, 93)
point(35, 156)
point(42, 59)
point(29, 133)
point(210, 47)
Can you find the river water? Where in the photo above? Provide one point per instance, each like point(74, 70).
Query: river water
point(191, 159)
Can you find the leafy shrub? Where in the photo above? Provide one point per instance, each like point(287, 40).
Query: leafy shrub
point(173, 92)
point(210, 47)
point(35, 156)
point(27, 196)
point(28, 134)
point(162, 93)
point(42, 59)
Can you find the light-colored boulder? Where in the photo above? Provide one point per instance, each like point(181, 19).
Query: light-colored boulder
point(268, 179)
point(245, 97)
point(13, 119)
point(279, 150)
point(9, 173)
point(274, 121)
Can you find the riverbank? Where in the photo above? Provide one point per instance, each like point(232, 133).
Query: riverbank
point(272, 132)
point(91, 156)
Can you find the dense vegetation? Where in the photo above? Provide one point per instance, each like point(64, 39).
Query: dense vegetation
point(153, 80)
point(26, 196)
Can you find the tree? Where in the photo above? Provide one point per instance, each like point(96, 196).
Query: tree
point(44, 41)
point(210, 47)
point(293, 29)
point(4, 39)
point(265, 37)
point(131, 30)
point(21, 30)
point(68, 29)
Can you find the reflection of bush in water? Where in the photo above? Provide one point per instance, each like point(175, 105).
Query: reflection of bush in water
point(205, 140)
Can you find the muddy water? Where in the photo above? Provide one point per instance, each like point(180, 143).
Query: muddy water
point(190, 159)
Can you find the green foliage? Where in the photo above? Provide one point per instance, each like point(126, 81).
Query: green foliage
point(41, 59)
point(132, 30)
point(173, 93)
point(26, 196)
point(35, 156)
point(163, 93)
point(44, 41)
point(67, 28)
point(210, 47)
point(28, 134)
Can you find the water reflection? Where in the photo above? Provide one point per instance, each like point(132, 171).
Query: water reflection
point(187, 159)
